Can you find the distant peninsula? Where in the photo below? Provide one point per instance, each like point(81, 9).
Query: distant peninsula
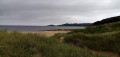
point(74, 24)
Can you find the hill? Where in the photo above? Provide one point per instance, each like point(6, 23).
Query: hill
point(77, 24)
point(100, 38)
point(110, 27)
point(107, 20)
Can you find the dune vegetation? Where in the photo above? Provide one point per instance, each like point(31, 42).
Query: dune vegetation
point(109, 27)
point(104, 38)
point(16, 44)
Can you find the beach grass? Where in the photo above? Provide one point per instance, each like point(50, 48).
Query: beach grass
point(105, 38)
point(100, 42)
point(16, 44)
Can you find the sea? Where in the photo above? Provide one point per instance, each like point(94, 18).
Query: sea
point(38, 28)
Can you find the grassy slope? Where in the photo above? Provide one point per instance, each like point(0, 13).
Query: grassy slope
point(101, 38)
point(107, 20)
point(16, 44)
point(110, 27)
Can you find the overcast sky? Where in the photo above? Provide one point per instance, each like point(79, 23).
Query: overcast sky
point(44, 12)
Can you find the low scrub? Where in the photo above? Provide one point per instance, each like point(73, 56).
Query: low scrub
point(99, 42)
point(15, 44)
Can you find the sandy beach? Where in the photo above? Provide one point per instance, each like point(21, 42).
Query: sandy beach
point(50, 33)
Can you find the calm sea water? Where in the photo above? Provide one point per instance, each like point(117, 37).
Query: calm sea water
point(38, 28)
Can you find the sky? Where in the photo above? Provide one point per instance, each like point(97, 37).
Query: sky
point(45, 12)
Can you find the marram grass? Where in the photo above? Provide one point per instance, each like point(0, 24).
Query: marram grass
point(15, 44)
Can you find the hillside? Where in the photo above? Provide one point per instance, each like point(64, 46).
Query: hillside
point(110, 27)
point(104, 38)
point(77, 24)
point(107, 20)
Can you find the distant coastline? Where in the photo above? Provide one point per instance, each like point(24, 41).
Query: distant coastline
point(39, 28)
point(74, 24)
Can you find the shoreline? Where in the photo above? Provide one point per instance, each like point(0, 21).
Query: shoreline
point(49, 33)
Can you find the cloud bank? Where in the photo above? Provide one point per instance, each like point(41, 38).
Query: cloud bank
point(44, 12)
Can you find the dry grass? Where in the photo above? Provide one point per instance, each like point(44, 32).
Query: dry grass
point(110, 54)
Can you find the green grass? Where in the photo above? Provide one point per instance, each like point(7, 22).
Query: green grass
point(15, 44)
point(100, 42)
point(100, 38)
point(110, 27)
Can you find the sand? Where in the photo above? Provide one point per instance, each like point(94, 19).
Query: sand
point(50, 33)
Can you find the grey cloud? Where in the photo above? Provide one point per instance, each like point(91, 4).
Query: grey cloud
point(43, 12)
